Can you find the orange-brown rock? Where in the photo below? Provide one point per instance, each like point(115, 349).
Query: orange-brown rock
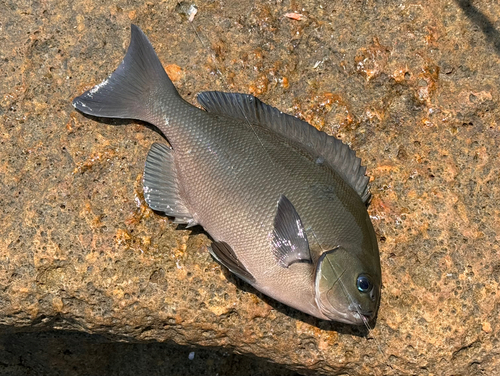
point(79, 250)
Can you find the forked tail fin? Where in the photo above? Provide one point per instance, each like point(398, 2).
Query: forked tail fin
point(135, 90)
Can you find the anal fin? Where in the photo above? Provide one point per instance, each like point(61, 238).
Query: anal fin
point(161, 187)
point(225, 255)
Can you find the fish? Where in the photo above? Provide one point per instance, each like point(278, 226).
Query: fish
point(284, 203)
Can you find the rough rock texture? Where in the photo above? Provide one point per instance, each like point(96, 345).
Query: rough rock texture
point(413, 86)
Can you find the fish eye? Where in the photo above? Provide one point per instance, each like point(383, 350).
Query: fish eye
point(363, 283)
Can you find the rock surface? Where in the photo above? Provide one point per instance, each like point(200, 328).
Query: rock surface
point(413, 86)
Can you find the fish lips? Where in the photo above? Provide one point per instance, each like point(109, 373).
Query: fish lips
point(360, 316)
point(353, 316)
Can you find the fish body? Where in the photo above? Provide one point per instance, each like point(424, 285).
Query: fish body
point(284, 203)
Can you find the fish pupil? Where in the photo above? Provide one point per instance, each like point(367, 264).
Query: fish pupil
point(363, 283)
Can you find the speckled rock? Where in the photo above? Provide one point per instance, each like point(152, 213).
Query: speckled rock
point(413, 86)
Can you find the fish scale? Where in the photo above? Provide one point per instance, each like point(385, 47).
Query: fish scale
point(283, 202)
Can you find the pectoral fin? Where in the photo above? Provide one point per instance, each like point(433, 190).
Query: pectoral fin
point(289, 240)
point(160, 185)
point(224, 254)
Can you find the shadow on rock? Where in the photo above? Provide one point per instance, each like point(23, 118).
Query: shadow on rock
point(478, 18)
point(58, 352)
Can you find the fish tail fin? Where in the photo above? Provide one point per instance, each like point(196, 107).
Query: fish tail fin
point(132, 90)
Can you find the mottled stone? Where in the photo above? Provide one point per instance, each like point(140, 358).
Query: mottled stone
point(412, 86)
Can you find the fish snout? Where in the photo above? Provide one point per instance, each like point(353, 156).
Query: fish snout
point(360, 314)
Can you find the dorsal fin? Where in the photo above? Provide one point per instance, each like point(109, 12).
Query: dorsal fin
point(326, 149)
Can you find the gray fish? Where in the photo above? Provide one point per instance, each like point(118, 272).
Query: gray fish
point(284, 203)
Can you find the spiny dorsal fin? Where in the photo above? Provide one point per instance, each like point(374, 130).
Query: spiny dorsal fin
point(326, 149)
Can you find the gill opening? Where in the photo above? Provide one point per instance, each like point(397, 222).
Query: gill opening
point(211, 53)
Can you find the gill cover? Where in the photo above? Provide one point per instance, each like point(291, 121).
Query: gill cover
point(345, 290)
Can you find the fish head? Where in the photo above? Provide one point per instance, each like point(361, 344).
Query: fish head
point(346, 288)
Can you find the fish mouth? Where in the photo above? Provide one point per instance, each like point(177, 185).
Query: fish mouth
point(350, 316)
point(353, 314)
point(364, 317)
point(355, 318)
point(359, 315)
